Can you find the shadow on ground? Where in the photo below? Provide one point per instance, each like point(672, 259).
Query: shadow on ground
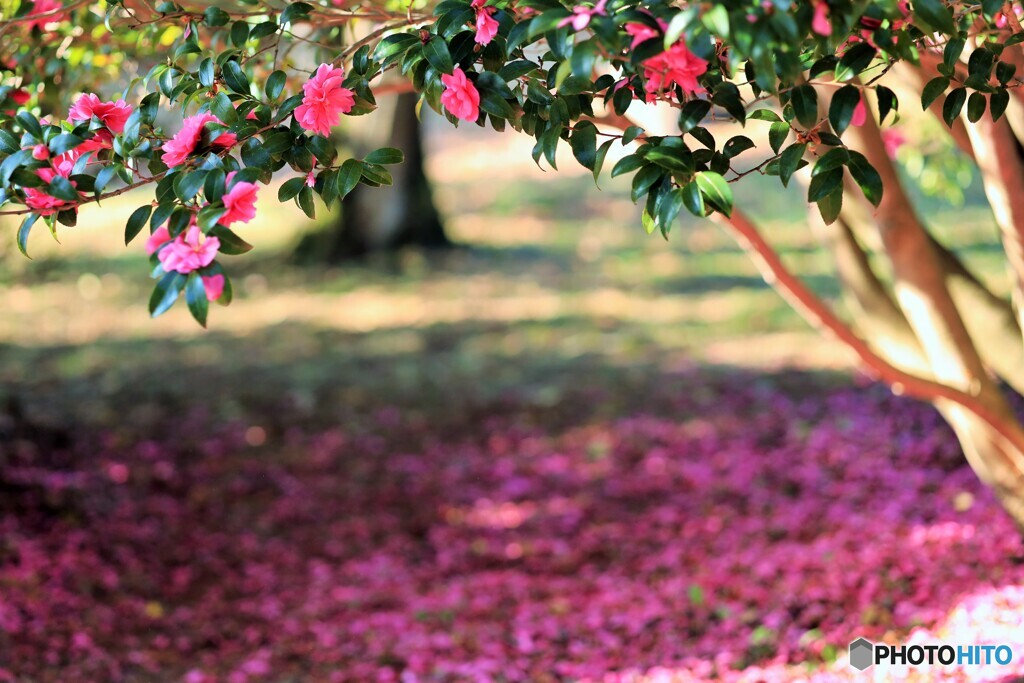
point(305, 504)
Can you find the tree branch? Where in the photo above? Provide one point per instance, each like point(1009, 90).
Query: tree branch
point(819, 315)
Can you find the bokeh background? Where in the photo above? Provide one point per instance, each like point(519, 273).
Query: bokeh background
point(563, 450)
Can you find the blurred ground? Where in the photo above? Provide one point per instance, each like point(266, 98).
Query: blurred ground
point(370, 420)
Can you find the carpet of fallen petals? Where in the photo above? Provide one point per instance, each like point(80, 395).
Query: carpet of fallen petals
point(734, 530)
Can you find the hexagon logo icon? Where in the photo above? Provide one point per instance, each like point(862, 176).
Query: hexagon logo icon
point(861, 654)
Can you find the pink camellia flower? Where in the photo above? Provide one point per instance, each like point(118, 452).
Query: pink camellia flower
point(310, 179)
point(189, 251)
point(159, 238)
point(184, 143)
point(460, 97)
point(893, 139)
point(113, 114)
point(641, 33)
point(37, 199)
point(42, 203)
point(240, 201)
point(860, 114)
point(675, 66)
point(45, 7)
point(820, 23)
point(1001, 19)
point(486, 24)
point(214, 286)
point(40, 152)
point(581, 15)
point(325, 100)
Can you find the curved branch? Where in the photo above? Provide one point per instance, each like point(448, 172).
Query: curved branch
point(818, 314)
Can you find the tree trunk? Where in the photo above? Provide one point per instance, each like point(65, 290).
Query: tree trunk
point(385, 219)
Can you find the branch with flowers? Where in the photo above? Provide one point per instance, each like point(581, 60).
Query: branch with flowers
point(531, 65)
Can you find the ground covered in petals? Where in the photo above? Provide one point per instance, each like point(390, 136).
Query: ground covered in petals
point(741, 527)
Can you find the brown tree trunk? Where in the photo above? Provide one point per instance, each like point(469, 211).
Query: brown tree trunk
point(385, 219)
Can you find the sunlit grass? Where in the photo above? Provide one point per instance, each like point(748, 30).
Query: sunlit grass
point(554, 267)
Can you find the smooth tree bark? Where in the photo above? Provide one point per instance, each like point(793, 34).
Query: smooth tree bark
point(385, 219)
point(933, 331)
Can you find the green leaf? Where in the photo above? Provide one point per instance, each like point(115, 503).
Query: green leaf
point(290, 188)
point(8, 143)
point(627, 164)
point(668, 209)
point(716, 19)
point(844, 103)
point(583, 142)
point(831, 205)
point(63, 142)
point(394, 45)
point(206, 72)
point(515, 70)
point(727, 96)
point(348, 176)
point(254, 155)
point(998, 103)
point(305, 200)
point(61, 188)
point(23, 232)
point(763, 115)
point(932, 90)
point(104, 177)
point(854, 61)
point(805, 105)
point(954, 103)
point(195, 297)
point(790, 160)
point(777, 135)
point(887, 102)
point(275, 85)
point(575, 85)
point(824, 184)
point(385, 155)
point(976, 104)
point(215, 16)
point(675, 159)
point(436, 52)
point(230, 243)
point(644, 180)
point(208, 216)
point(737, 145)
point(165, 293)
point(375, 174)
point(296, 11)
point(865, 175)
point(221, 107)
point(239, 35)
point(1005, 71)
point(602, 152)
point(187, 185)
point(716, 191)
point(235, 77)
point(692, 114)
point(693, 199)
point(832, 159)
point(136, 222)
point(936, 14)
point(631, 134)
